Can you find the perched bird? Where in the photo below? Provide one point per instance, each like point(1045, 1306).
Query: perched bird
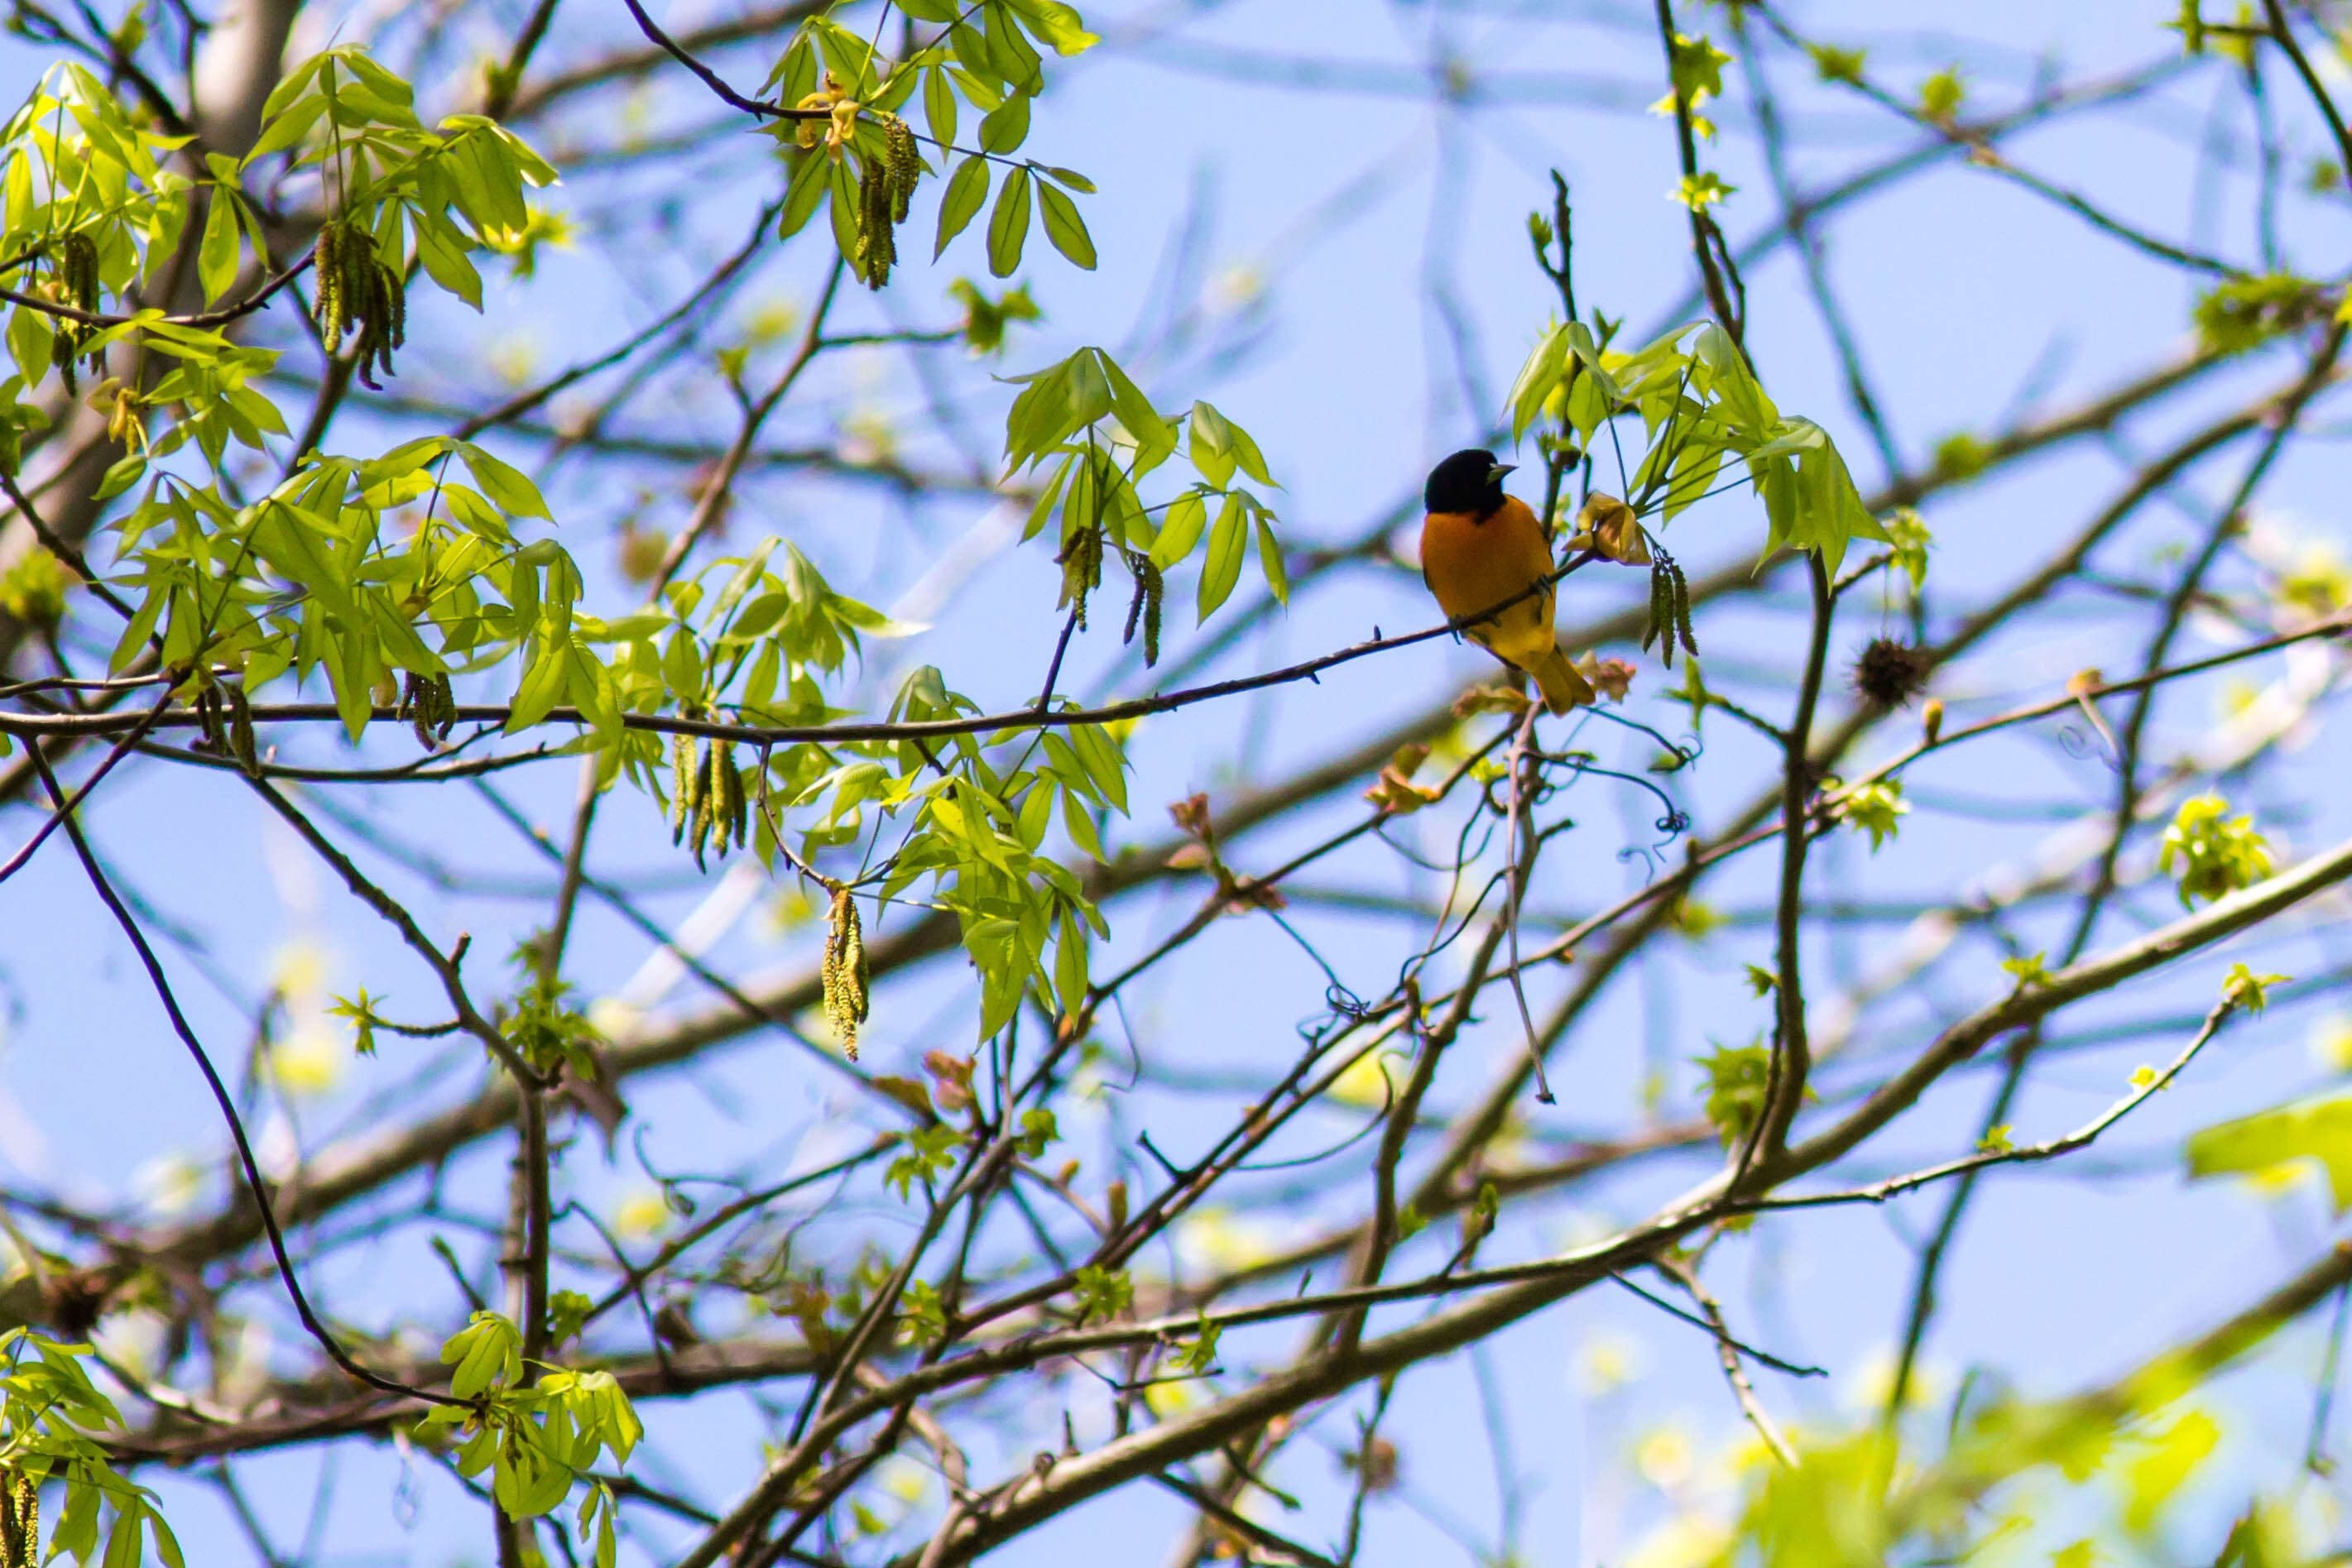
point(1480, 547)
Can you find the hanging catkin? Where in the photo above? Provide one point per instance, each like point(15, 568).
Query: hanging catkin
point(844, 971)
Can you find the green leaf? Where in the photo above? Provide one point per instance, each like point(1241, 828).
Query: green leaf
point(1057, 24)
point(1809, 496)
point(218, 256)
point(1070, 967)
point(1102, 1293)
point(1188, 514)
point(1227, 540)
point(2030, 970)
point(2160, 1474)
point(511, 492)
point(351, 671)
point(1053, 402)
point(292, 86)
point(844, 208)
point(486, 1352)
point(2315, 1129)
point(1696, 66)
point(1537, 378)
point(966, 193)
point(1008, 225)
point(1065, 227)
point(810, 183)
point(1155, 438)
point(1269, 556)
point(2218, 854)
point(971, 53)
point(123, 473)
point(1099, 754)
point(1220, 447)
point(125, 1541)
point(1007, 128)
point(2243, 987)
point(286, 129)
point(542, 684)
point(1080, 825)
point(939, 106)
point(442, 251)
point(167, 1545)
point(30, 333)
point(1010, 51)
point(1212, 445)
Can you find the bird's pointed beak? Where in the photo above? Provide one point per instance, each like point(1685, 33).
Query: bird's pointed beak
point(1495, 475)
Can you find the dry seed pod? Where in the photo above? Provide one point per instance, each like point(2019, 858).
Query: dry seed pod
point(1889, 674)
point(844, 971)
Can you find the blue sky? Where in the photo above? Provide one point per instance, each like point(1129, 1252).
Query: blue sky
point(1331, 202)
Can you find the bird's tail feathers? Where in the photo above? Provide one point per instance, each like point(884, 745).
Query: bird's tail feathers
point(1562, 684)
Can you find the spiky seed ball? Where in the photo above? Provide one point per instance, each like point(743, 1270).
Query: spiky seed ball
point(1889, 674)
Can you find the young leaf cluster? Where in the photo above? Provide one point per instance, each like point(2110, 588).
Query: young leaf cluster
point(2211, 853)
point(1097, 436)
point(1700, 405)
point(536, 1440)
point(861, 161)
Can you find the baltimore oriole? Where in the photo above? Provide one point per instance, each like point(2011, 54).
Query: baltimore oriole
point(1479, 547)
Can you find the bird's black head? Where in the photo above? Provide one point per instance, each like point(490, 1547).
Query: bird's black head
point(1469, 481)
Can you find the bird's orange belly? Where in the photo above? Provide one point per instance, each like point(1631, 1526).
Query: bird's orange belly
point(1471, 566)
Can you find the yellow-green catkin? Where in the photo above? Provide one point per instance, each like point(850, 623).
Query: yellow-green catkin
point(357, 290)
point(877, 244)
point(20, 1520)
point(682, 785)
point(326, 255)
point(732, 809)
point(1082, 563)
point(1144, 608)
point(706, 804)
point(845, 970)
point(905, 162)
